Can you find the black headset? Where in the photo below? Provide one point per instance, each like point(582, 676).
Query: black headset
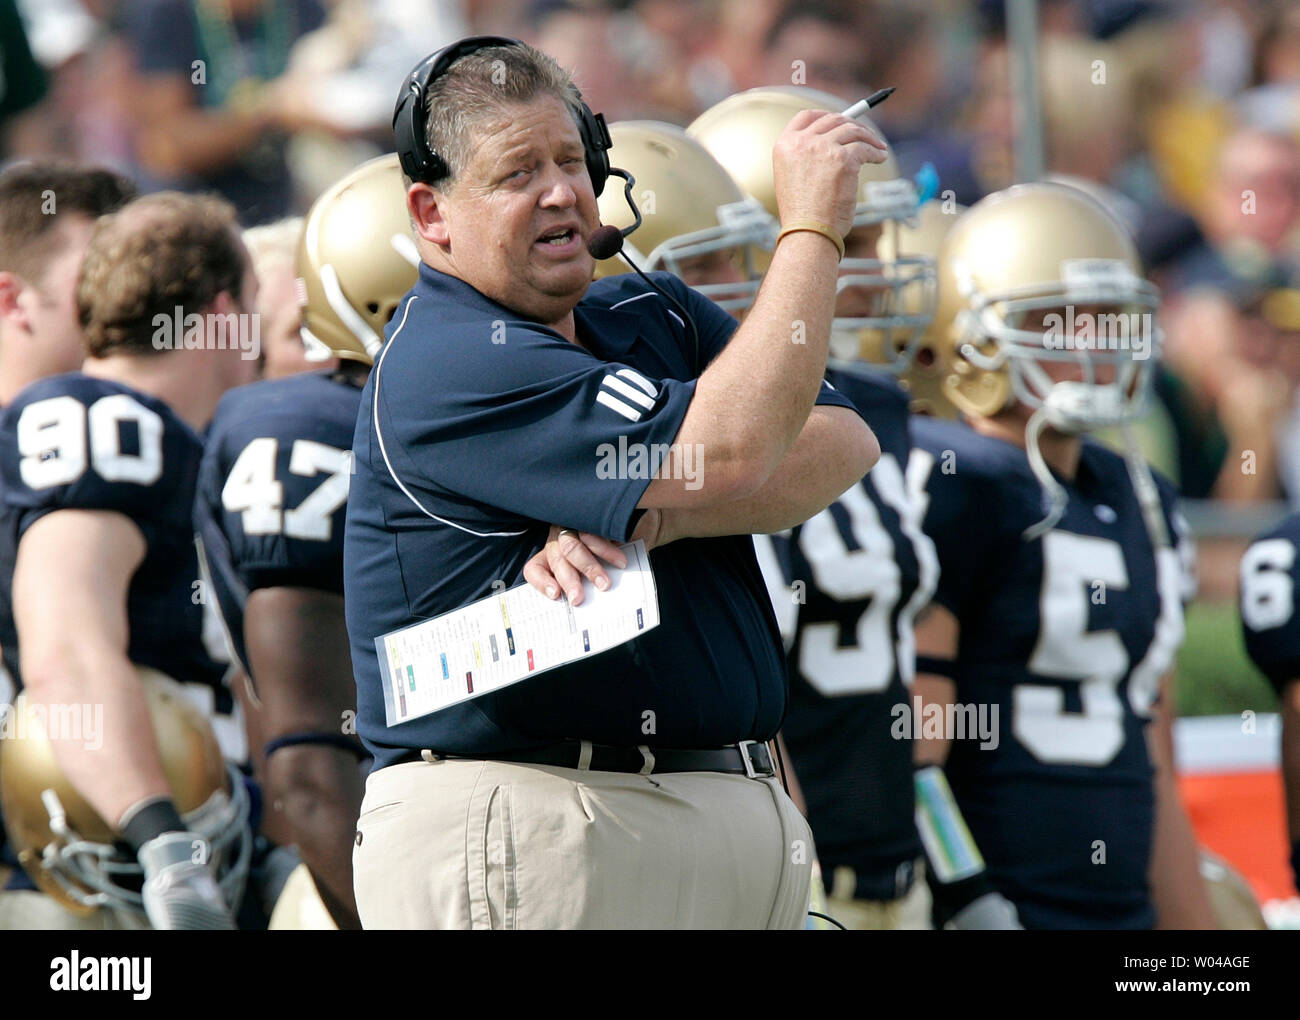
point(420, 163)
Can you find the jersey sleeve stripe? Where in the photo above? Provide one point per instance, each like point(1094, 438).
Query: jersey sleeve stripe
point(632, 394)
point(628, 412)
point(639, 380)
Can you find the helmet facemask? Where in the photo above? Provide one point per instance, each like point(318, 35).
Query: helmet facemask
point(95, 874)
point(903, 288)
point(1100, 316)
point(743, 227)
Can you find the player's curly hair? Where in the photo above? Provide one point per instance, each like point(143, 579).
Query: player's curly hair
point(158, 253)
point(479, 87)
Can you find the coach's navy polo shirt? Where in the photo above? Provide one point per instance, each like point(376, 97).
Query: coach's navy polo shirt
point(477, 431)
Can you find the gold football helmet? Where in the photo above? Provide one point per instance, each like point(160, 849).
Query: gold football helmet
point(1013, 272)
point(885, 326)
point(924, 374)
point(1231, 899)
point(356, 261)
point(690, 207)
point(1034, 248)
point(69, 850)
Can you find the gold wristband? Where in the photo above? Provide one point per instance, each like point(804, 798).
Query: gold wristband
point(817, 228)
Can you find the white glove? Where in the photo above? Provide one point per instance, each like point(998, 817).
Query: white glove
point(990, 912)
point(179, 892)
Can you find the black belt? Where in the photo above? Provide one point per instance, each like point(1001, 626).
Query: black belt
point(748, 758)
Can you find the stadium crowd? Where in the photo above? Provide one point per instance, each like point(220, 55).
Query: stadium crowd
point(1184, 114)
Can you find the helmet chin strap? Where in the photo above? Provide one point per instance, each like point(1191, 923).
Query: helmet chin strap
point(1147, 493)
point(1055, 491)
point(1144, 485)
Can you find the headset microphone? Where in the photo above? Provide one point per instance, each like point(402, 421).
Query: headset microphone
point(606, 242)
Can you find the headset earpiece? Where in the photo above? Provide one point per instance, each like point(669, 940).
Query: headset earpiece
point(596, 141)
point(420, 163)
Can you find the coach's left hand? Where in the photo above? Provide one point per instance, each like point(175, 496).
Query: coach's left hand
point(568, 556)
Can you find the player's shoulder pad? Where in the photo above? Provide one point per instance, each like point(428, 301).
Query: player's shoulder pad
point(295, 403)
point(86, 389)
point(1112, 464)
point(89, 390)
point(976, 483)
point(970, 457)
point(1287, 528)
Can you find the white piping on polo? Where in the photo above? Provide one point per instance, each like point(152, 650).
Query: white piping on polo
point(649, 293)
point(384, 451)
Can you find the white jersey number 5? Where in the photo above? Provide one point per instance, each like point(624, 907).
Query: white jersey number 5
point(1074, 567)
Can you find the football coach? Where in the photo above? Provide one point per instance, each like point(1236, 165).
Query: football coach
point(631, 789)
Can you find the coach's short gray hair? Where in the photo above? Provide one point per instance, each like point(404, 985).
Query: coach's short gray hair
point(481, 85)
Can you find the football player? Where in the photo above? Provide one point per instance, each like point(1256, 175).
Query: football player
point(1270, 573)
point(1042, 666)
point(271, 502)
point(97, 558)
point(696, 223)
point(47, 211)
point(847, 584)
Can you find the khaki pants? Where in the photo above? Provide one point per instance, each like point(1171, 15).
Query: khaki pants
point(481, 844)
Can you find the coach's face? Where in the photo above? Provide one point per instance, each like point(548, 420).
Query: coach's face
point(515, 223)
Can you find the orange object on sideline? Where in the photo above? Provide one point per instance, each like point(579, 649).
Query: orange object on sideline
point(1241, 817)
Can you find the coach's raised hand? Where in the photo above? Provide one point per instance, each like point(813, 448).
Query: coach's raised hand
point(816, 163)
point(753, 401)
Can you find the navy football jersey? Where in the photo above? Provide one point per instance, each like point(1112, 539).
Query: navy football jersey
point(1066, 637)
point(273, 490)
point(1270, 572)
point(846, 586)
point(74, 442)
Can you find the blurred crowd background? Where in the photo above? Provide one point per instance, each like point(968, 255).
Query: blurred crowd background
point(1183, 115)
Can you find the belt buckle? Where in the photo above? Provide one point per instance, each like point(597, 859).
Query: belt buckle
point(747, 759)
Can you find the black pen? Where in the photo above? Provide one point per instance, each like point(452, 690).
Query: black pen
point(863, 105)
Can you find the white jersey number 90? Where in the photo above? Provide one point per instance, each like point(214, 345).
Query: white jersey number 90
point(59, 436)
